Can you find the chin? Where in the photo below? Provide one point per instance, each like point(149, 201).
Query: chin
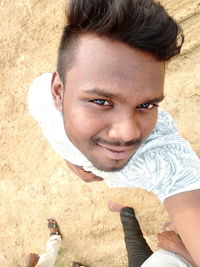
point(113, 167)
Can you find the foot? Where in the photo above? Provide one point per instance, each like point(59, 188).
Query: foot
point(77, 264)
point(53, 227)
point(32, 259)
point(112, 206)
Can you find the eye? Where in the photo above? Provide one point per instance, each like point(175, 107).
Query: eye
point(101, 102)
point(147, 106)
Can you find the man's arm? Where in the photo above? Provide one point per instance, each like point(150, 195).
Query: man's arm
point(170, 241)
point(84, 175)
point(184, 209)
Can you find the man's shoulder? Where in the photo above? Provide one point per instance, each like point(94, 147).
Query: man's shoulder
point(40, 99)
point(40, 88)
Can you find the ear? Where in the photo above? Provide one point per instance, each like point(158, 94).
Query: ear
point(57, 90)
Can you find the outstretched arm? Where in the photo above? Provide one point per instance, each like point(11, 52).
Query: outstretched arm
point(184, 209)
point(169, 240)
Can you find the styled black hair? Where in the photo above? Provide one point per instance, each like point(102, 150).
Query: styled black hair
point(142, 24)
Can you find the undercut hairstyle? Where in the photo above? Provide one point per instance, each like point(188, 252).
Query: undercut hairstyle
point(142, 24)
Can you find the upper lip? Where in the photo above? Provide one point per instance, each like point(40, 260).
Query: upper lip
point(118, 148)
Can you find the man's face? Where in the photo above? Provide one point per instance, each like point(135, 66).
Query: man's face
point(110, 100)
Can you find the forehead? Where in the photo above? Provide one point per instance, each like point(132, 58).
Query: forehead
point(111, 65)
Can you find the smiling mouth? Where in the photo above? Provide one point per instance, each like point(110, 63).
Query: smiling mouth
point(117, 153)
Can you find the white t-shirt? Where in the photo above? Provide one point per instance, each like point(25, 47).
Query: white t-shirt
point(163, 258)
point(164, 164)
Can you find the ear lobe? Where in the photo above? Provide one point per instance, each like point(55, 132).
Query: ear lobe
point(57, 90)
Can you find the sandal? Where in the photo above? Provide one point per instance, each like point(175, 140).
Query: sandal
point(53, 227)
point(77, 264)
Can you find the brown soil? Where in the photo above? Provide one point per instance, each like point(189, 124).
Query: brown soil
point(35, 183)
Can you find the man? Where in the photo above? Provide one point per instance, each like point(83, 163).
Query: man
point(48, 258)
point(172, 252)
point(106, 91)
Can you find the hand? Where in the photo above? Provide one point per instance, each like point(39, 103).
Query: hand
point(84, 175)
point(32, 259)
point(169, 240)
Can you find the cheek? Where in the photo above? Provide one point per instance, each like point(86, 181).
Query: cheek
point(75, 125)
point(81, 124)
point(148, 123)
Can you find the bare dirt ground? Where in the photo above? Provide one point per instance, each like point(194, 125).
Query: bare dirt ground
point(35, 183)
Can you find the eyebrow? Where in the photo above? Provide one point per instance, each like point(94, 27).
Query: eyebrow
point(155, 100)
point(104, 93)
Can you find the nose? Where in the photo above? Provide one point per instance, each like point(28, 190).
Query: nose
point(125, 129)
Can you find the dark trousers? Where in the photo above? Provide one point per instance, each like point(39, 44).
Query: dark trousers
point(137, 247)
